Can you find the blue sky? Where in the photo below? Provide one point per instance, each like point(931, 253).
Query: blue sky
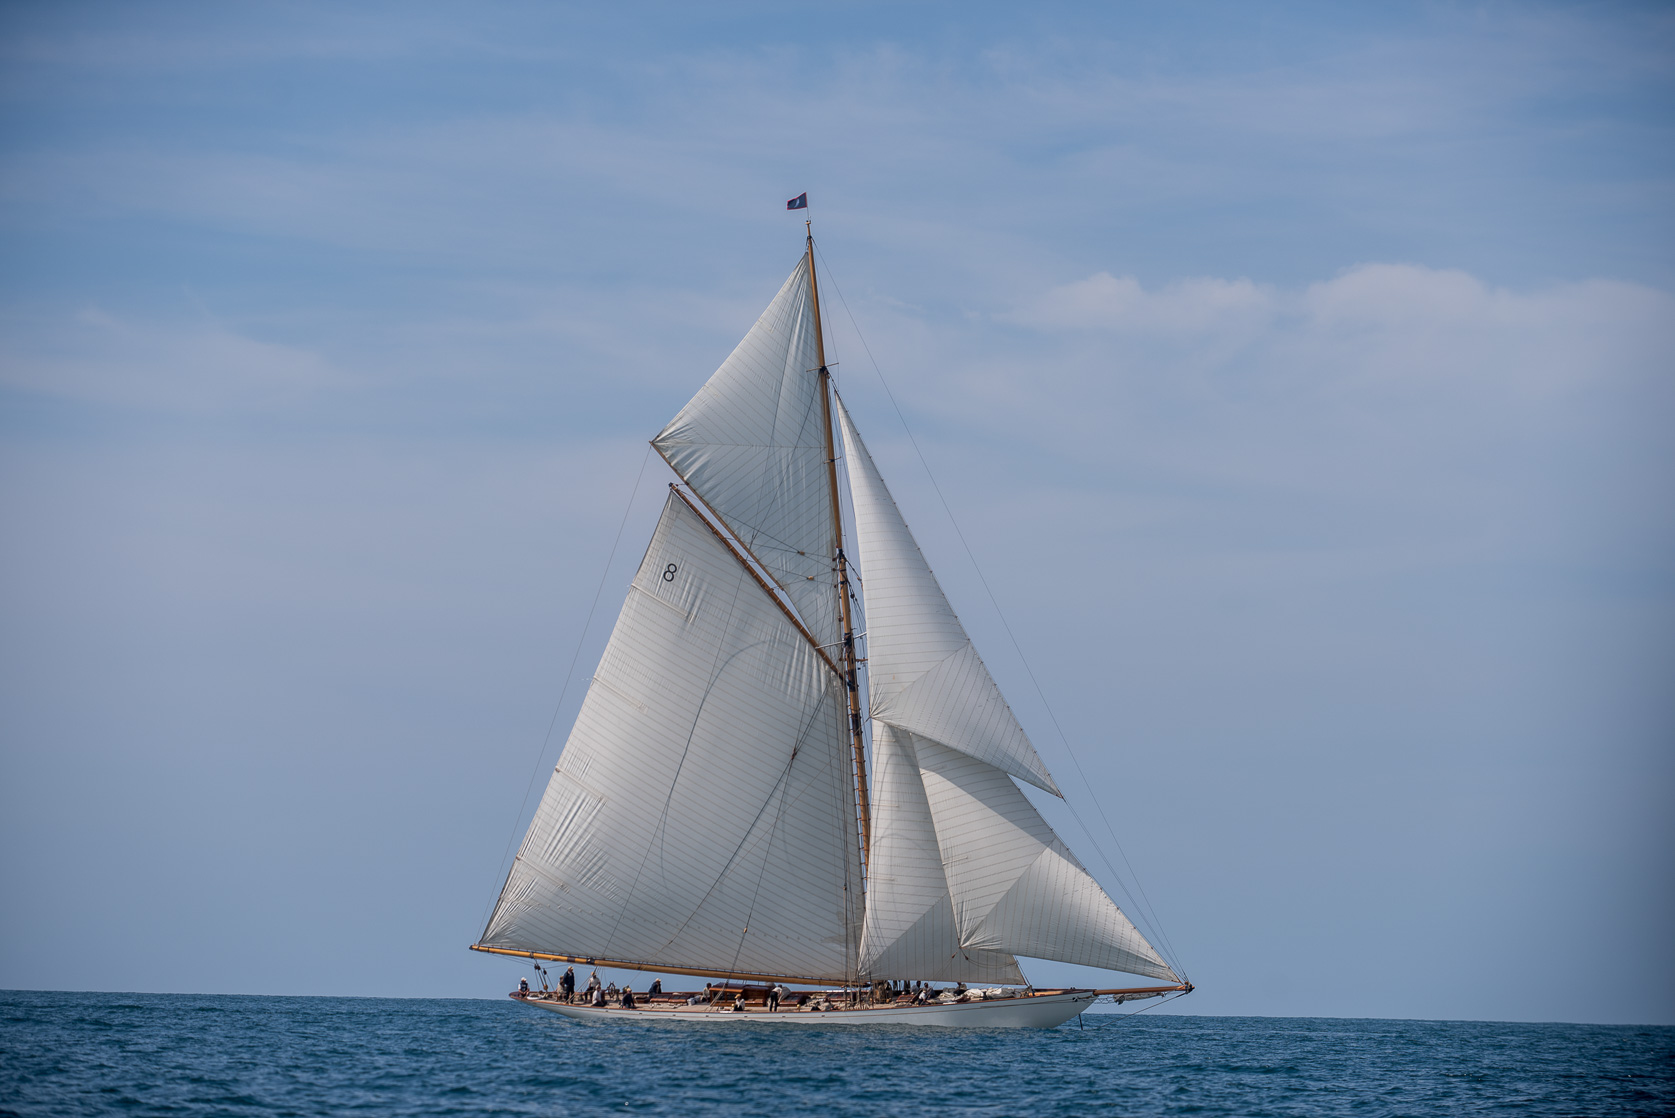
point(1301, 378)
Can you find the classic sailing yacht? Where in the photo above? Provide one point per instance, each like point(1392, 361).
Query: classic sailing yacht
point(712, 812)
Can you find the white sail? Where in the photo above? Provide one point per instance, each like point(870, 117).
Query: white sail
point(702, 817)
point(702, 813)
point(1015, 886)
point(923, 674)
point(910, 930)
point(752, 445)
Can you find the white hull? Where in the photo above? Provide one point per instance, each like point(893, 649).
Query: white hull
point(1041, 1011)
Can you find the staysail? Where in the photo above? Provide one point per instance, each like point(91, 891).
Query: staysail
point(752, 445)
point(1015, 886)
point(910, 929)
point(702, 812)
point(967, 875)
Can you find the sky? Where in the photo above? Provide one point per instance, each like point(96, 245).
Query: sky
point(1292, 382)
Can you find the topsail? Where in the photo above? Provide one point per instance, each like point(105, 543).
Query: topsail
point(752, 445)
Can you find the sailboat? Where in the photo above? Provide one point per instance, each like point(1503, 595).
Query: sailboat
point(717, 811)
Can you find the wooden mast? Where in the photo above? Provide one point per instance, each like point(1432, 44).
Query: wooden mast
point(850, 678)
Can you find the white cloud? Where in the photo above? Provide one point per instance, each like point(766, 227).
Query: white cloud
point(1384, 321)
point(1104, 301)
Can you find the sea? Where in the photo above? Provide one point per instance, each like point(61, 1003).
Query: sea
point(189, 1054)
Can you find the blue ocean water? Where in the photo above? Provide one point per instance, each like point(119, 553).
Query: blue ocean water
point(67, 1054)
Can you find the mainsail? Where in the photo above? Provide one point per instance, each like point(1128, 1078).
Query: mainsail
point(703, 815)
point(702, 812)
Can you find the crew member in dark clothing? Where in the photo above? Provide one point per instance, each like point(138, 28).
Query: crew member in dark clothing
point(523, 987)
point(655, 989)
point(628, 997)
point(567, 983)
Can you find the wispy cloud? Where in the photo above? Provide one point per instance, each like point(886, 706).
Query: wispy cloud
point(1386, 322)
point(99, 358)
point(1104, 301)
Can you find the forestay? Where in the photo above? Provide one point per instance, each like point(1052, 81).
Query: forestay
point(752, 445)
point(923, 674)
point(702, 812)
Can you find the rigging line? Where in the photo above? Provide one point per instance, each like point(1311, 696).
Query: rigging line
point(858, 611)
point(564, 691)
point(1152, 922)
point(1149, 914)
point(863, 671)
point(1143, 1009)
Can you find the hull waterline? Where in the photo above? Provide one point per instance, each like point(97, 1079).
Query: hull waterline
point(1041, 1011)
